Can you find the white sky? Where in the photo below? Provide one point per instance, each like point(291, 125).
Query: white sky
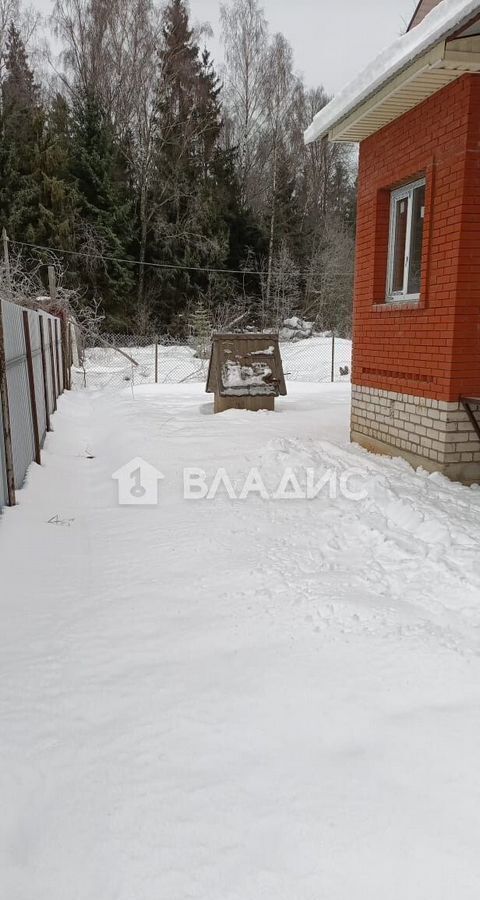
point(332, 39)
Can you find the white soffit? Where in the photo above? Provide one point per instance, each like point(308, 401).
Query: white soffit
point(439, 67)
point(411, 69)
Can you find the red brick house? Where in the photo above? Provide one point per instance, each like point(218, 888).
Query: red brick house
point(415, 113)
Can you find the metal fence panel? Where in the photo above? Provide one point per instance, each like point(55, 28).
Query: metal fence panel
point(34, 323)
point(18, 385)
point(48, 362)
point(23, 445)
point(3, 468)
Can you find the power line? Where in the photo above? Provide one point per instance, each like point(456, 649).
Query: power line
point(136, 262)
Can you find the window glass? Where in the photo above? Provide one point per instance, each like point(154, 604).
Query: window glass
point(406, 240)
point(416, 240)
point(399, 247)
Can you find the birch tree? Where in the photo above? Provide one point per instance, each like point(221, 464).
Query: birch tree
point(245, 36)
point(279, 93)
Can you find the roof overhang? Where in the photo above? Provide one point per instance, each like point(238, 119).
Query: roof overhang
point(446, 62)
point(442, 48)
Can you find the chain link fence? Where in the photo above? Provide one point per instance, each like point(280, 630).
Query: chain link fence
point(118, 360)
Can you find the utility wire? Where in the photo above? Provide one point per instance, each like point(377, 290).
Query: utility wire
point(136, 262)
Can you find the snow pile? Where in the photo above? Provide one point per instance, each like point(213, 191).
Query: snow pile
point(440, 23)
point(242, 380)
point(296, 329)
point(269, 351)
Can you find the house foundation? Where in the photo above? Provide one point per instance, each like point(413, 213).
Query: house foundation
point(434, 434)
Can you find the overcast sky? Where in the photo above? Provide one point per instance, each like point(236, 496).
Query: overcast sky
point(332, 39)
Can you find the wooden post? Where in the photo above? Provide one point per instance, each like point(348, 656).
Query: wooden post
point(31, 382)
point(333, 356)
point(52, 365)
point(156, 359)
point(52, 284)
point(7, 432)
point(44, 371)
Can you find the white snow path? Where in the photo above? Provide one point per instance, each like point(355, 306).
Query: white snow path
point(236, 701)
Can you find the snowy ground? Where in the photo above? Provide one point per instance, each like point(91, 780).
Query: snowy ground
point(258, 700)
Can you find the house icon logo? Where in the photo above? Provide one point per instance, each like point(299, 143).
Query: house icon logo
point(137, 483)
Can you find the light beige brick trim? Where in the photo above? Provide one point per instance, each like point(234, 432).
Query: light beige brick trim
point(434, 429)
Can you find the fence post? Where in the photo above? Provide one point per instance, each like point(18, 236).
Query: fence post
point(57, 357)
point(156, 359)
point(44, 372)
point(52, 284)
point(7, 431)
point(31, 382)
point(333, 356)
point(64, 325)
point(69, 354)
point(52, 365)
point(64, 336)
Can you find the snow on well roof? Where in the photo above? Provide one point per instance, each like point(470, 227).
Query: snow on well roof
point(442, 22)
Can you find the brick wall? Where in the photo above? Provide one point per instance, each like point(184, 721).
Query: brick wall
point(433, 430)
point(432, 347)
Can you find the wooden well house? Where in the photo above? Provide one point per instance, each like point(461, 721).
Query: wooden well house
point(245, 372)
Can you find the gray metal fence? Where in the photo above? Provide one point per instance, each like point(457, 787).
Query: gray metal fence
point(118, 360)
point(34, 373)
point(3, 467)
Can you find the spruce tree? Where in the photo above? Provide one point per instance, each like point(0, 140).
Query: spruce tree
point(189, 229)
point(104, 207)
point(287, 211)
point(59, 200)
point(202, 328)
point(247, 238)
point(209, 113)
point(22, 121)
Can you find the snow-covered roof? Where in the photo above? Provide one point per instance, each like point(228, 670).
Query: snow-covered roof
point(444, 21)
point(422, 9)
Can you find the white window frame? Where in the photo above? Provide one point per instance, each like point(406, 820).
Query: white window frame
point(403, 193)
